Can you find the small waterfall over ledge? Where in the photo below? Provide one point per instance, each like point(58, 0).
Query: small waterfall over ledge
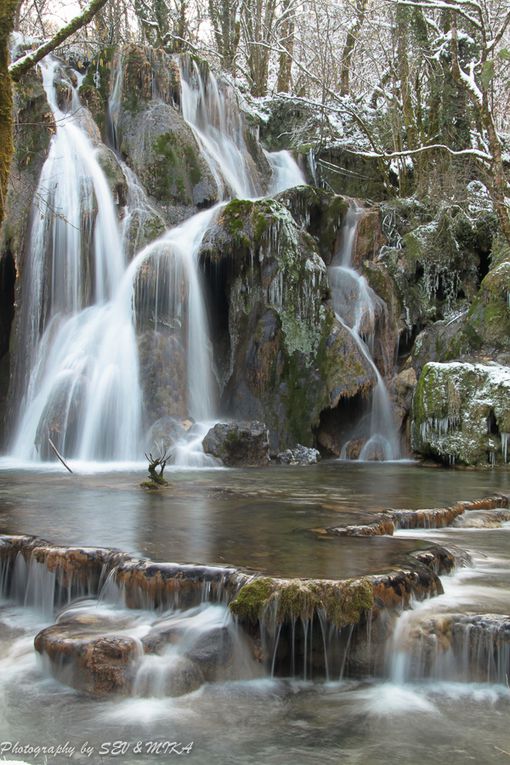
point(89, 320)
point(356, 306)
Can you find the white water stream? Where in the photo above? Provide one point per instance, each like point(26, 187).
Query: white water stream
point(78, 377)
point(355, 305)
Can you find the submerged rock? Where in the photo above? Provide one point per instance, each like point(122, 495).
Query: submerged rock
point(461, 413)
point(239, 444)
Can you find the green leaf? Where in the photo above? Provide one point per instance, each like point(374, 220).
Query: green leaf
point(504, 54)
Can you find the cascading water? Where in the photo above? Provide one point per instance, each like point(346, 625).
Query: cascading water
point(217, 126)
point(87, 316)
point(216, 121)
point(356, 306)
point(80, 357)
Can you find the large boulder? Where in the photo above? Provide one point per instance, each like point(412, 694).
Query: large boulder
point(461, 413)
point(284, 356)
point(161, 149)
point(238, 444)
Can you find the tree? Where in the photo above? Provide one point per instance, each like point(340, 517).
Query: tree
point(12, 73)
point(8, 10)
point(351, 39)
point(483, 26)
point(224, 16)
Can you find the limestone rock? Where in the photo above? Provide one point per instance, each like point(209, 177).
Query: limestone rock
point(84, 658)
point(286, 357)
point(461, 413)
point(161, 149)
point(239, 444)
point(404, 386)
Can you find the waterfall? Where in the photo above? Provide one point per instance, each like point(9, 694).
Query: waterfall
point(88, 315)
point(286, 173)
point(216, 122)
point(356, 306)
point(80, 357)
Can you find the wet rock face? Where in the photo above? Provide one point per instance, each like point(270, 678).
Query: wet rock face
point(87, 660)
point(239, 444)
point(163, 375)
point(461, 413)
point(320, 213)
point(149, 130)
point(161, 149)
point(488, 322)
point(34, 128)
point(404, 385)
point(287, 357)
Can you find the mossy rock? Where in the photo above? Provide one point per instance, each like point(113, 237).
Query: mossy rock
point(488, 322)
point(116, 179)
point(288, 358)
point(342, 602)
point(144, 72)
point(435, 265)
point(95, 89)
point(461, 413)
point(161, 149)
point(319, 212)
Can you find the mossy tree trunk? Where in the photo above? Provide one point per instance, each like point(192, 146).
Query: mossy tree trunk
point(8, 9)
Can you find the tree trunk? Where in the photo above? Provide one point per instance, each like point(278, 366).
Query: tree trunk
point(350, 44)
point(287, 33)
point(8, 9)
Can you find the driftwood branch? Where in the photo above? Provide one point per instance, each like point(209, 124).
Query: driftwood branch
point(57, 453)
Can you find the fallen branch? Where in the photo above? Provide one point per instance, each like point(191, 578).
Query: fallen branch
point(57, 453)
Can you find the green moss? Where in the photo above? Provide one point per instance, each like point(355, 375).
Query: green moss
point(452, 406)
point(95, 88)
point(252, 598)
point(343, 602)
point(195, 174)
point(488, 322)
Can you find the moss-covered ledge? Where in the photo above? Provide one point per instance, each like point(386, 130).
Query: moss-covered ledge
point(341, 602)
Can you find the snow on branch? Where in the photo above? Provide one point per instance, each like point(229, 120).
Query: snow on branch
point(23, 64)
point(443, 5)
point(477, 153)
